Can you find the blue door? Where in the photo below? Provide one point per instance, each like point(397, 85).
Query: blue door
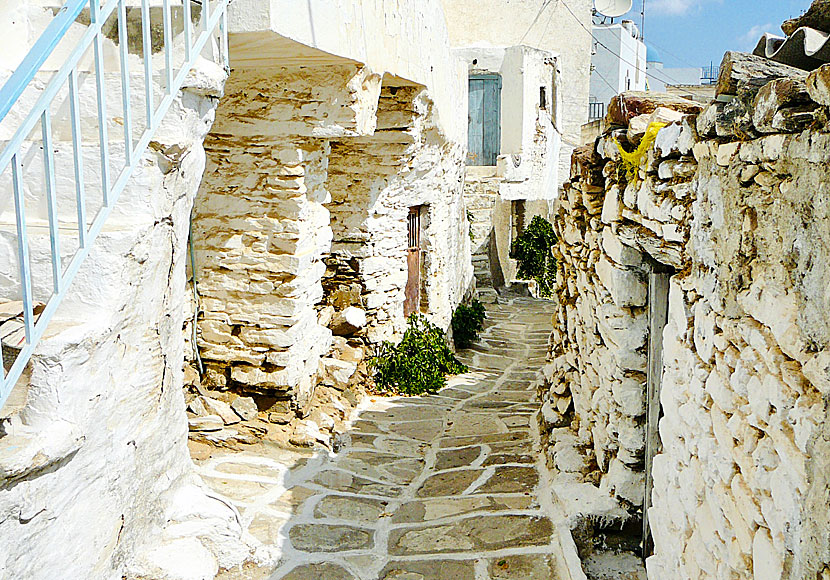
point(484, 118)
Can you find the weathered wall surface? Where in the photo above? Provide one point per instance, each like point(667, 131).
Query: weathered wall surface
point(740, 484)
point(95, 473)
point(373, 182)
point(405, 38)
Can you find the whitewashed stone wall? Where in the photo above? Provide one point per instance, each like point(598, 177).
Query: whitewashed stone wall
point(371, 145)
point(740, 483)
point(95, 473)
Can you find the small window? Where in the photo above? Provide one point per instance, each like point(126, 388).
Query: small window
point(543, 101)
point(484, 120)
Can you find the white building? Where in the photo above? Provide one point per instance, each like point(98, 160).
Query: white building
point(528, 81)
point(618, 64)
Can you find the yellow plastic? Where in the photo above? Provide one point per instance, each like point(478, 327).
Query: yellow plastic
point(631, 161)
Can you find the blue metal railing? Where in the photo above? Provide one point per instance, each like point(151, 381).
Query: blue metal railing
point(213, 17)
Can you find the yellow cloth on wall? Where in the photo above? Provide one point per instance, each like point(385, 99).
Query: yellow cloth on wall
point(631, 161)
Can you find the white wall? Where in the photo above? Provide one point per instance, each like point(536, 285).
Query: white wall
point(95, 466)
point(659, 77)
point(407, 38)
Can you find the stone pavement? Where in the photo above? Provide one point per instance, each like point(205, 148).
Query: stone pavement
point(449, 486)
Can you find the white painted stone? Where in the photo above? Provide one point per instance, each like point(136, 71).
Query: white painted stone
point(726, 151)
point(179, 559)
point(619, 252)
point(612, 206)
point(630, 395)
point(767, 563)
point(626, 286)
point(624, 483)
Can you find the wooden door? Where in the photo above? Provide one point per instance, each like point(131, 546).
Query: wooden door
point(412, 294)
point(484, 120)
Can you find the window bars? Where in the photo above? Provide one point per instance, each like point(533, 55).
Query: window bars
point(65, 83)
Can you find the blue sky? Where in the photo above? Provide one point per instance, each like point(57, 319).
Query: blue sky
point(695, 32)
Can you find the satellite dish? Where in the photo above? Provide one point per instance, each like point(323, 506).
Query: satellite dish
point(612, 8)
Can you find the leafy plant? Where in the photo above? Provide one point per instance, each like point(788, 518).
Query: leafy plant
point(467, 322)
point(419, 363)
point(532, 249)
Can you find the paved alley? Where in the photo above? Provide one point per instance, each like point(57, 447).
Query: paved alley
point(447, 486)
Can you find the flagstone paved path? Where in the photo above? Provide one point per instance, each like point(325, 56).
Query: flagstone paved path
point(449, 486)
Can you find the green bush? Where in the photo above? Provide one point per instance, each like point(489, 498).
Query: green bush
point(419, 363)
point(532, 249)
point(467, 322)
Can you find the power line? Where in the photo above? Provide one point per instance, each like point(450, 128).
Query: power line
point(536, 19)
point(602, 44)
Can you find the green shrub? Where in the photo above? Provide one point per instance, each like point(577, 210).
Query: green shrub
point(467, 322)
point(419, 363)
point(532, 249)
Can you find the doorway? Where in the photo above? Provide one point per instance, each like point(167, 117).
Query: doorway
point(414, 260)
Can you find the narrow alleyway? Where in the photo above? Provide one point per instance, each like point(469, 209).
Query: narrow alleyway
point(449, 486)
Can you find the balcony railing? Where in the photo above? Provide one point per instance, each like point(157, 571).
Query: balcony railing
point(62, 92)
point(596, 110)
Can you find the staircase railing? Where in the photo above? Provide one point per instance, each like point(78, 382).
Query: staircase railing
point(213, 17)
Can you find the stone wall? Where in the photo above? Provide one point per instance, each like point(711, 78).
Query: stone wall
point(373, 181)
point(732, 204)
point(302, 222)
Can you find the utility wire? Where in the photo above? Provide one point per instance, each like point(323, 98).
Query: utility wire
point(605, 80)
point(536, 18)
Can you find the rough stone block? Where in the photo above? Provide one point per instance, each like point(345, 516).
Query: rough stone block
point(627, 287)
point(245, 407)
point(619, 252)
point(742, 73)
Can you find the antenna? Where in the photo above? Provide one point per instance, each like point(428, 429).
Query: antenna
point(613, 8)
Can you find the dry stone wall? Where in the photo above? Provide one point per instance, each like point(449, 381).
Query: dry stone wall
point(261, 229)
point(736, 210)
point(300, 229)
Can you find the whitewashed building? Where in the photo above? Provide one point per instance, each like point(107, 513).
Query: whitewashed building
point(528, 64)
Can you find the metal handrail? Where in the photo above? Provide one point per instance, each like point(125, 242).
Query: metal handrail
point(214, 14)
